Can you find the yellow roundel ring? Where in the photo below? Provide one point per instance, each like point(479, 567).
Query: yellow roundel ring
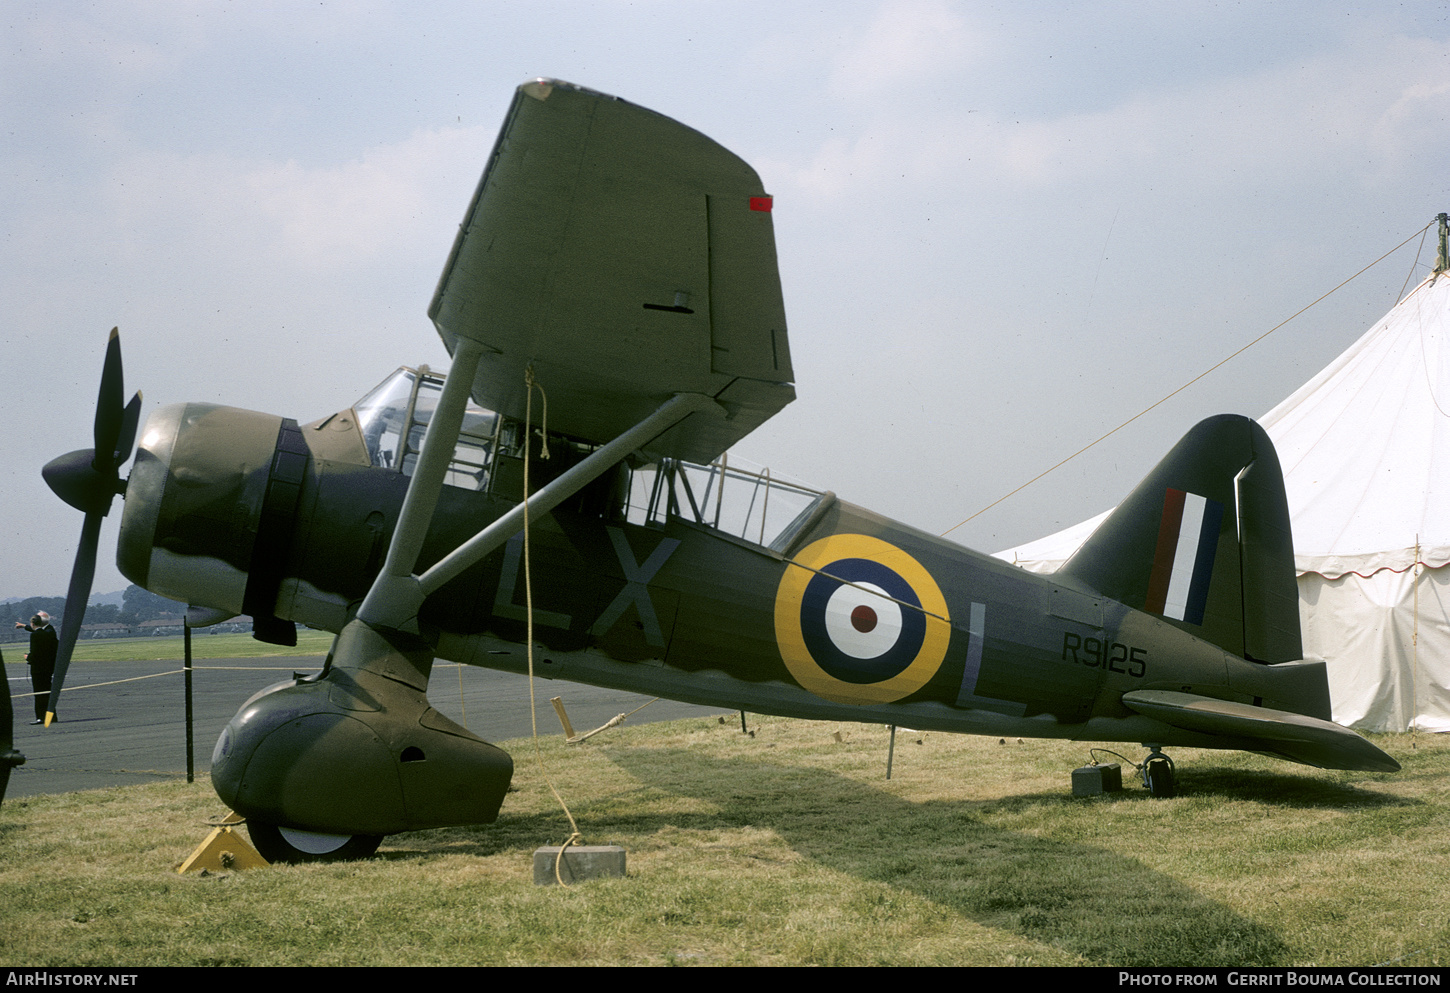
point(858, 620)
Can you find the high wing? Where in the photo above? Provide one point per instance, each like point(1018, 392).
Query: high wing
point(627, 258)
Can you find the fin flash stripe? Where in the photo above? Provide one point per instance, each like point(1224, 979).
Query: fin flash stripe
point(1183, 558)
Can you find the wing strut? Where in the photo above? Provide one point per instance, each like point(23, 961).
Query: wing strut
point(493, 537)
point(397, 594)
point(394, 598)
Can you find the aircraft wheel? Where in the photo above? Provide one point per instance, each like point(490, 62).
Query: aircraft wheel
point(1158, 776)
point(284, 844)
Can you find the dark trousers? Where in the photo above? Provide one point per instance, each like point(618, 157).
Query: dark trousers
point(40, 682)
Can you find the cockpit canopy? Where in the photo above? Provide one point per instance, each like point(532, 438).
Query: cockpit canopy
point(394, 416)
point(731, 495)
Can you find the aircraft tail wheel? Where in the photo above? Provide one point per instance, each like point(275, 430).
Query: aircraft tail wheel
point(1158, 775)
point(284, 844)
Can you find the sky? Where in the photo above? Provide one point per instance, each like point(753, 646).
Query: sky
point(1003, 229)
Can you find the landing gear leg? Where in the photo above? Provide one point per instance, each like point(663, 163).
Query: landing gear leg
point(1158, 773)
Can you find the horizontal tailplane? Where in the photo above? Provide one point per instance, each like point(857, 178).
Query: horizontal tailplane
point(1296, 737)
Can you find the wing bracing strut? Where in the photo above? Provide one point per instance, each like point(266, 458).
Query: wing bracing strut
point(397, 594)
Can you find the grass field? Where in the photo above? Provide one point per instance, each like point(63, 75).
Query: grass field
point(786, 848)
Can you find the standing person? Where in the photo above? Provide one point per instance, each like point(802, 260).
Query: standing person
point(43, 645)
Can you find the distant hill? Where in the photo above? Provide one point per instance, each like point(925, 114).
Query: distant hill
point(116, 599)
point(132, 607)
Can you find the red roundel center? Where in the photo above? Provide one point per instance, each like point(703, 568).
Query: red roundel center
point(863, 618)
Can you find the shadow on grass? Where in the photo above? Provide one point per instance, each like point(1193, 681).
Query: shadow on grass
point(1106, 907)
point(1283, 789)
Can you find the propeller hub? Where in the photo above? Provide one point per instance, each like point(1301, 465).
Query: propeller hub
point(74, 478)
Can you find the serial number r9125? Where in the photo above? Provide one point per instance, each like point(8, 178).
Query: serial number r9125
point(1113, 656)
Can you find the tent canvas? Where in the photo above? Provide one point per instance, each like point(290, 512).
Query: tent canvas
point(1365, 448)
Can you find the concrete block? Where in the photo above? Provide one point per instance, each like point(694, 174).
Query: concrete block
point(580, 862)
point(1091, 780)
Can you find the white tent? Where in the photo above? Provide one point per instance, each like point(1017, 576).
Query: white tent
point(1365, 448)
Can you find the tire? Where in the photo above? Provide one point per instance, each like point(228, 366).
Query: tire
point(1159, 774)
point(277, 843)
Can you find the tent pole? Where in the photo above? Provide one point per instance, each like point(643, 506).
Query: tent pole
point(1415, 641)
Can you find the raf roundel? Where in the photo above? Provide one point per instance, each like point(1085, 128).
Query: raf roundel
point(860, 621)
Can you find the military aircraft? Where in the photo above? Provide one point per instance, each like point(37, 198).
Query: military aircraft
point(612, 302)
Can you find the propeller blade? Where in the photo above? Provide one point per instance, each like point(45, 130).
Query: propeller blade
point(129, 420)
point(87, 480)
point(76, 596)
point(109, 402)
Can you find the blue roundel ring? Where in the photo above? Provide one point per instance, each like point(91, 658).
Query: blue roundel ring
point(858, 620)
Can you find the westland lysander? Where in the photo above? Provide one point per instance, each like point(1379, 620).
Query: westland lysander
point(624, 265)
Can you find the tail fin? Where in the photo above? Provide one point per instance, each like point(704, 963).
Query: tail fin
point(1204, 542)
